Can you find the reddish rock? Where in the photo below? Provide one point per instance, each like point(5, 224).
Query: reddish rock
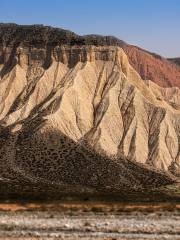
point(150, 66)
point(153, 67)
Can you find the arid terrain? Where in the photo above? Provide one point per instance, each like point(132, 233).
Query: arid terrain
point(89, 138)
point(89, 220)
point(75, 114)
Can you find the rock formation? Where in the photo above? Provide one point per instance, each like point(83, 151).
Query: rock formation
point(154, 67)
point(77, 115)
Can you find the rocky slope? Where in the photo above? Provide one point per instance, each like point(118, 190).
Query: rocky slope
point(80, 118)
point(149, 65)
point(154, 67)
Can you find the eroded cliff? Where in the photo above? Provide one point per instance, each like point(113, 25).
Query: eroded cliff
point(149, 65)
point(81, 116)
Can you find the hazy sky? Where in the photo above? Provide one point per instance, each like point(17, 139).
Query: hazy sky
point(150, 24)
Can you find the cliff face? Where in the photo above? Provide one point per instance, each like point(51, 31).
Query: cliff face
point(79, 115)
point(150, 66)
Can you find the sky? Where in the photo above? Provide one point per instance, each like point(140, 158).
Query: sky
point(151, 24)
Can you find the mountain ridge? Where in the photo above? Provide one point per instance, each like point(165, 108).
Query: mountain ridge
point(149, 65)
point(175, 60)
point(81, 117)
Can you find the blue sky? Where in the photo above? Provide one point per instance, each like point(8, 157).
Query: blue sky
point(150, 24)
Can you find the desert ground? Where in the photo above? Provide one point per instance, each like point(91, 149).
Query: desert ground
point(84, 119)
point(89, 220)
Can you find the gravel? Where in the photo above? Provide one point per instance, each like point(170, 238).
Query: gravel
point(26, 225)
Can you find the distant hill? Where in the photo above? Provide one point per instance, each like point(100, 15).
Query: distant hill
point(175, 60)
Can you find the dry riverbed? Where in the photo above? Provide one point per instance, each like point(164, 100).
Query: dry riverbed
point(89, 220)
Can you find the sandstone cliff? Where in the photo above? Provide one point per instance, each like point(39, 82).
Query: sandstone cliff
point(79, 115)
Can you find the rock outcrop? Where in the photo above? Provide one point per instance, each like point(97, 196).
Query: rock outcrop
point(79, 115)
point(149, 65)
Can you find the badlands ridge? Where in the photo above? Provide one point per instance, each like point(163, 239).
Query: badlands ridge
point(77, 115)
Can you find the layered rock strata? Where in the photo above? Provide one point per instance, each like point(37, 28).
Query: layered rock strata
point(80, 115)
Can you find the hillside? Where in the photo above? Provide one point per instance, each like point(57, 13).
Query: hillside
point(76, 116)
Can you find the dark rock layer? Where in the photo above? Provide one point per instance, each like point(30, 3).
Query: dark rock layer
point(149, 65)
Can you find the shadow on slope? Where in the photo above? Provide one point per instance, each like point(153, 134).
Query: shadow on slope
point(46, 163)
